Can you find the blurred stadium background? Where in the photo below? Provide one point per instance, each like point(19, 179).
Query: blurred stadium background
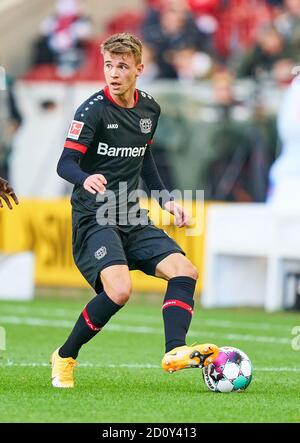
point(222, 71)
point(225, 74)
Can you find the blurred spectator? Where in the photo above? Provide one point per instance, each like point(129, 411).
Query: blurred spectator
point(205, 13)
point(10, 121)
point(170, 28)
point(260, 61)
point(238, 24)
point(282, 72)
point(7, 191)
point(239, 170)
point(225, 101)
point(288, 22)
point(285, 172)
point(276, 3)
point(63, 37)
point(151, 69)
point(190, 64)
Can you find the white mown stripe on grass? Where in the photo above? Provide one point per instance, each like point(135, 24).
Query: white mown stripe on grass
point(129, 366)
point(36, 310)
point(61, 312)
point(39, 322)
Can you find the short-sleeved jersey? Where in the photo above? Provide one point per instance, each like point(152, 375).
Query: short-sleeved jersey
point(113, 140)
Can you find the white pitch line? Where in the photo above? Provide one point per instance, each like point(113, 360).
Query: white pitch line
point(84, 365)
point(38, 322)
point(245, 325)
point(277, 369)
point(249, 338)
point(129, 366)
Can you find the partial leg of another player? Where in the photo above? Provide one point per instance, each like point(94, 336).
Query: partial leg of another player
point(177, 314)
point(117, 289)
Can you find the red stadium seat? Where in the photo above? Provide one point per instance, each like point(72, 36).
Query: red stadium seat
point(238, 24)
point(126, 22)
point(91, 70)
point(42, 73)
point(204, 6)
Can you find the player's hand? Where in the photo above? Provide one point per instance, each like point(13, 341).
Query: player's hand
point(7, 191)
point(95, 183)
point(180, 214)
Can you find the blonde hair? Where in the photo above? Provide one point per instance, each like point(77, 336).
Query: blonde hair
point(124, 43)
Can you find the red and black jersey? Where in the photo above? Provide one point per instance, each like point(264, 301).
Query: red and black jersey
point(113, 141)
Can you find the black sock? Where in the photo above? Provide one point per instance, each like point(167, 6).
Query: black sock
point(92, 319)
point(177, 310)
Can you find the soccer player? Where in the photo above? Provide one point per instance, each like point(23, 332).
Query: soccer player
point(108, 148)
point(7, 191)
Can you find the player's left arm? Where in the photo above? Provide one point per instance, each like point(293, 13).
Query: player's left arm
point(182, 217)
point(151, 177)
point(7, 191)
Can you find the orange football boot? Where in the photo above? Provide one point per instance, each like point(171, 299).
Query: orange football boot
point(62, 371)
point(195, 356)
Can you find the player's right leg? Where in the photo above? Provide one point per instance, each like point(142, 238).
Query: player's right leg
point(105, 268)
point(117, 288)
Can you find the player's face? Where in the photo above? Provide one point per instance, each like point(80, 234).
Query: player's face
point(121, 72)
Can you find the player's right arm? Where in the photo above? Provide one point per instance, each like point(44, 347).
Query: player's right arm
point(69, 169)
point(80, 137)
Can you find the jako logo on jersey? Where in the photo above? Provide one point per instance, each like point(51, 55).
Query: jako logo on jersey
point(145, 125)
point(112, 126)
point(100, 253)
point(111, 151)
point(75, 129)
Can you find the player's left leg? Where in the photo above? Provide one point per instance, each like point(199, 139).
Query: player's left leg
point(154, 252)
point(178, 305)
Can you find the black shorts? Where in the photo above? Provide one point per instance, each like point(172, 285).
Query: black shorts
point(96, 247)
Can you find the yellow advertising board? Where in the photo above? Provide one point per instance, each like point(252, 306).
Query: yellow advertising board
point(44, 227)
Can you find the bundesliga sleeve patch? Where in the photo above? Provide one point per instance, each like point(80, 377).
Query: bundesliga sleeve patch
point(75, 129)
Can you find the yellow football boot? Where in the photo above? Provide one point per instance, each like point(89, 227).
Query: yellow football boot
point(195, 356)
point(62, 371)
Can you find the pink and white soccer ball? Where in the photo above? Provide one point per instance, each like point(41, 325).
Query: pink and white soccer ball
point(231, 371)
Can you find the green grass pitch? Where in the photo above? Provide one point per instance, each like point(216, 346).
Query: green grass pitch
point(119, 378)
